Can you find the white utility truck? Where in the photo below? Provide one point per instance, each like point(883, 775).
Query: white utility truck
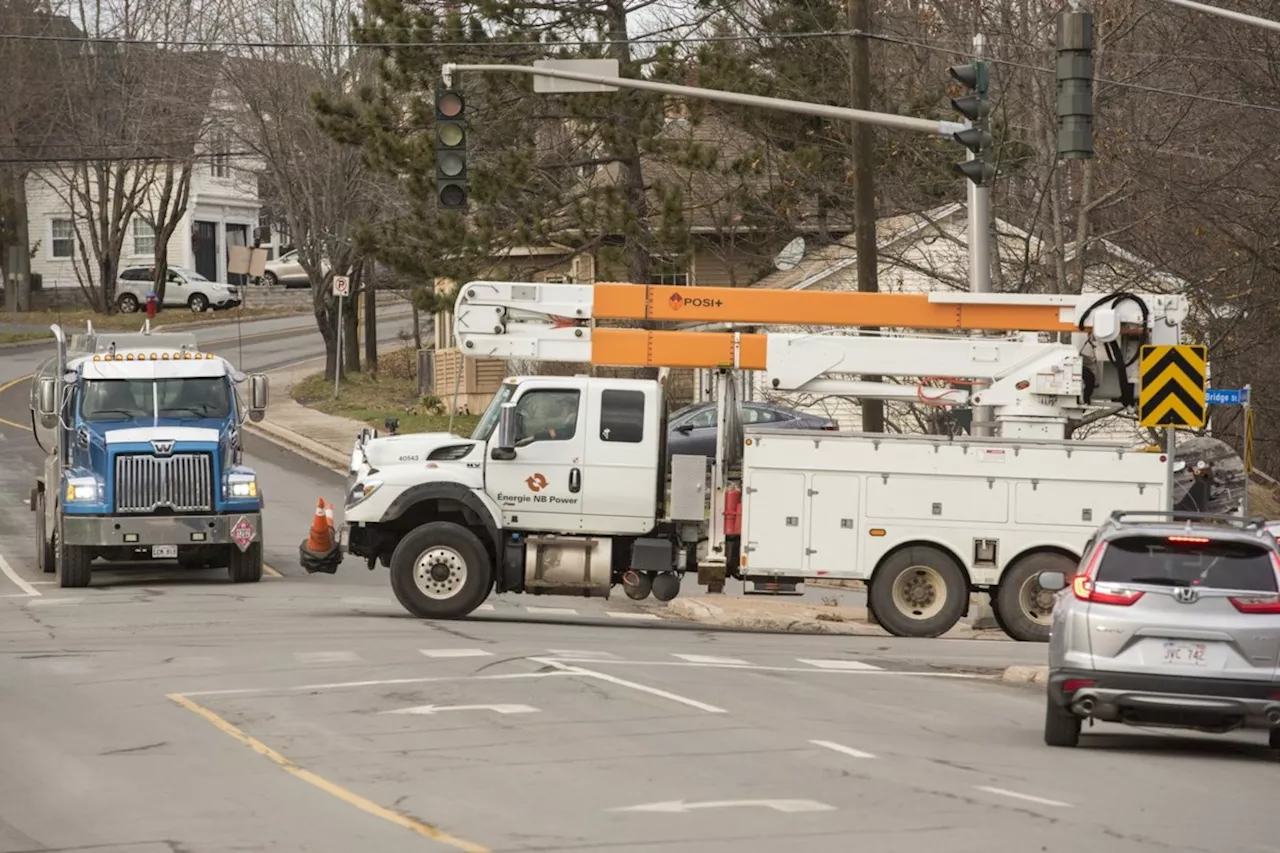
point(563, 487)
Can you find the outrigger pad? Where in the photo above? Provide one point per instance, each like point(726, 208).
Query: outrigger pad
point(326, 562)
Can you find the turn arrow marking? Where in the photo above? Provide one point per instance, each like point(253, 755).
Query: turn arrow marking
point(680, 806)
point(424, 710)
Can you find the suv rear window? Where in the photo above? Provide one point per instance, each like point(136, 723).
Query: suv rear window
point(1188, 561)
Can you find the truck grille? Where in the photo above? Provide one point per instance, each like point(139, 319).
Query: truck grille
point(182, 482)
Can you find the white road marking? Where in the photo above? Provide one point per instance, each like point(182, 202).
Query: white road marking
point(712, 659)
point(838, 664)
point(1015, 795)
point(631, 685)
point(485, 607)
point(370, 602)
point(326, 657)
point(623, 614)
point(44, 583)
point(381, 682)
point(842, 749)
point(16, 578)
point(680, 806)
point(427, 710)
point(579, 654)
point(49, 602)
point(455, 653)
point(553, 611)
point(804, 669)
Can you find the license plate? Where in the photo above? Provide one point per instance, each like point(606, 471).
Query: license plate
point(164, 552)
point(1186, 654)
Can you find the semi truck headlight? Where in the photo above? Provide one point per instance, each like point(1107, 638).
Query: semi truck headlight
point(361, 491)
point(242, 486)
point(82, 490)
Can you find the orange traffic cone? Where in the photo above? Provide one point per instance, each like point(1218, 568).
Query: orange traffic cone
point(320, 539)
point(328, 519)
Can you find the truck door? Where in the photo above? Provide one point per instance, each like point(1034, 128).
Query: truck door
point(541, 489)
point(620, 478)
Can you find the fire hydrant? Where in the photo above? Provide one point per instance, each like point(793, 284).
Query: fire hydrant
point(152, 303)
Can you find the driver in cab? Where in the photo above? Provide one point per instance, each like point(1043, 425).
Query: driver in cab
point(558, 422)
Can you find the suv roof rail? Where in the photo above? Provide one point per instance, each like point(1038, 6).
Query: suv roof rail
point(1121, 516)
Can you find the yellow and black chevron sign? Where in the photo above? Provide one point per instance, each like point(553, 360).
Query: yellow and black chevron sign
point(1172, 389)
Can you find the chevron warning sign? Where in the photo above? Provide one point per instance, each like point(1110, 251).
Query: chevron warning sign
point(1172, 386)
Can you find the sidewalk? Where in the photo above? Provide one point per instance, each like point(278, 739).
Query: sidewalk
point(322, 438)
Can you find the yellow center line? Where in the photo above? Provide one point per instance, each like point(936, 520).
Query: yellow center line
point(270, 572)
point(349, 797)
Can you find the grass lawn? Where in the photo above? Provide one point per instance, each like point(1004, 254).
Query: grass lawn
point(392, 393)
point(20, 337)
point(76, 319)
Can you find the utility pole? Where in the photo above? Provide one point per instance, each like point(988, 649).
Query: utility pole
point(864, 190)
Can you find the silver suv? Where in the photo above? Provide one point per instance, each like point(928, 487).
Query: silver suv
point(1173, 619)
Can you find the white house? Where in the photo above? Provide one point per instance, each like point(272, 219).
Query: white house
point(929, 251)
point(223, 208)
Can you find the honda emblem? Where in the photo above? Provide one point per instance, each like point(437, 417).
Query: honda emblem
point(1186, 594)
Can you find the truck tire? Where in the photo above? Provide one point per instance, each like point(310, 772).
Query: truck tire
point(74, 565)
point(46, 555)
point(1061, 727)
point(918, 592)
point(245, 566)
point(441, 571)
point(1025, 610)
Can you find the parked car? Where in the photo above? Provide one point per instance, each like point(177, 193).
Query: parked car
point(287, 270)
point(692, 429)
point(183, 287)
point(1173, 620)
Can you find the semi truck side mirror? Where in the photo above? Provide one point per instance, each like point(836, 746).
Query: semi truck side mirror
point(258, 397)
point(505, 449)
point(47, 403)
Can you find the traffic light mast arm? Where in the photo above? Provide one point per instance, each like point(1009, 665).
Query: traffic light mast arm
point(945, 129)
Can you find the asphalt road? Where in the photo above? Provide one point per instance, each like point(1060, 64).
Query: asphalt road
point(171, 711)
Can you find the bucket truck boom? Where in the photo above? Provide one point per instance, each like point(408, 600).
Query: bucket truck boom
point(562, 488)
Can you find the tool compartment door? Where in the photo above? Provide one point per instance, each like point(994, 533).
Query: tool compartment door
point(774, 527)
point(833, 524)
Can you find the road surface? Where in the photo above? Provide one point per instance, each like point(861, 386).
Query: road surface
point(161, 712)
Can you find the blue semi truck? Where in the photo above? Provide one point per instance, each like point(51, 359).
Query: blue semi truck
point(142, 433)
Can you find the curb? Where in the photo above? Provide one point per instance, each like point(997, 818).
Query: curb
point(312, 451)
point(1026, 675)
point(698, 611)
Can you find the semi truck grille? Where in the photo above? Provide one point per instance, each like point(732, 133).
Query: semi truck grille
point(182, 482)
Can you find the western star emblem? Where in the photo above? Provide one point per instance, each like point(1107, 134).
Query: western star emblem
point(242, 534)
point(536, 483)
point(162, 448)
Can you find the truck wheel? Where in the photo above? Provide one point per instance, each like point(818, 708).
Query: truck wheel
point(1273, 739)
point(918, 592)
point(441, 571)
point(74, 565)
point(1061, 727)
point(1026, 609)
point(245, 566)
point(46, 556)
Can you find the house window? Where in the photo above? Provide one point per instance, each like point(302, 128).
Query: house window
point(63, 239)
point(666, 271)
point(144, 237)
point(622, 416)
point(221, 151)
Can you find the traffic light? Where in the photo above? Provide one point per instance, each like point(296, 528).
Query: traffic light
point(1075, 86)
point(451, 150)
point(976, 107)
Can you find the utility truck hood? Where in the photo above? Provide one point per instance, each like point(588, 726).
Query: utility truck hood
point(419, 448)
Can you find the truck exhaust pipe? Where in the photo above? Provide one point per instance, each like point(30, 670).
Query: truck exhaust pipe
point(1273, 716)
point(1085, 706)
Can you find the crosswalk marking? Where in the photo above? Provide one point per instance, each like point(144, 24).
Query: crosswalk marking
point(627, 614)
point(712, 660)
point(838, 664)
point(456, 653)
point(326, 657)
point(553, 611)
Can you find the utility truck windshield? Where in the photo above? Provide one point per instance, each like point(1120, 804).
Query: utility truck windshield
point(489, 421)
point(135, 399)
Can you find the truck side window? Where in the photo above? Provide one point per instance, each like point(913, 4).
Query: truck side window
point(622, 416)
point(546, 416)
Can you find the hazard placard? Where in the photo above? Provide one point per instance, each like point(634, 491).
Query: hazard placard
point(242, 534)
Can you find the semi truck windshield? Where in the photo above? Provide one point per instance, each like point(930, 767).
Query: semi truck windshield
point(134, 399)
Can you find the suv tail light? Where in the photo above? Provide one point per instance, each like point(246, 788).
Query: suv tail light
point(1258, 604)
point(1082, 585)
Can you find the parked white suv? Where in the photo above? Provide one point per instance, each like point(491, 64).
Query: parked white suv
point(184, 287)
